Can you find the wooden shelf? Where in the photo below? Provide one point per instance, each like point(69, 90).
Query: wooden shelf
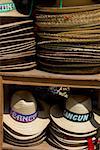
point(41, 78)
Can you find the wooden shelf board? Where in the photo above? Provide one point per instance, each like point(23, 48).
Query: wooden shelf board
point(41, 78)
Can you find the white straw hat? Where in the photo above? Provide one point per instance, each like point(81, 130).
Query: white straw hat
point(7, 8)
point(19, 137)
point(77, 116)
point(24, 117)
point(74, 134)
point(58, 144)
point(69, 139)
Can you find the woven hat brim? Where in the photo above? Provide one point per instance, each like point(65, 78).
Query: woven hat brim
point(68, 125)
point(24, 145)
point(26, 141)
point(15, 24)
point(68, 133)
point(67, 9)
point(69, 139)
point(12, 47)
point(67, 70)
point(13, 13)
point(65, 65)
point(36, 126)
point(77, 145)
point(5, 21)
point(19, 137)
point(58, 144)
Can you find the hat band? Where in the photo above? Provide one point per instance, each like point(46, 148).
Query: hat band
point(23, 118)
point(77, 117)
point(7, 7)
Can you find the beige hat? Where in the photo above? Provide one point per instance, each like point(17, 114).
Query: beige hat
point(68, 139)
point(77, 2)
point(24, 117)
point(77, 116)
point(74, 134)
point(62, 146)
point(19, 137)
point(7, 8)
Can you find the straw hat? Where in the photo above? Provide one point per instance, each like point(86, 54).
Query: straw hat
point(77, 2)
point(70, 139)
point(9, 141)
point(60, 145)
point(20, 137)
point(24, 141)
point(77, 116)
point(7, 8)
point(24, 117)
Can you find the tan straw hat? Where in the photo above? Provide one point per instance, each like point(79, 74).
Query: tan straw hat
point(77, 2)
point(77, 116)
point(7, 8)
point(24, 117)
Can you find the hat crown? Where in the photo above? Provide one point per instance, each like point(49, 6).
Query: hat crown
point(23, 102)
point(79, 104)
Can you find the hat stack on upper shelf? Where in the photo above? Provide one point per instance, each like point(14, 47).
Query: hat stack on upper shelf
point(74, 126)
point(69, 38)
point(17, 41)
point(26, 122)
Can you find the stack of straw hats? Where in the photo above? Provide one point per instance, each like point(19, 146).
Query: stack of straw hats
point(17, 41)
point(69, 39)
point(73, 127)
point(27, 121)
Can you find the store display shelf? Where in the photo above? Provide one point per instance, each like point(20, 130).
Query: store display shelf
point(41, 78)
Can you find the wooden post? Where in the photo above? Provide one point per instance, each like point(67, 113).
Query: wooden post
point(1, 113)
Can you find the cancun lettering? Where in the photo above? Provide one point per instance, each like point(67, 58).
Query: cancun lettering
point(23, 118)
point(76, 117)
point(7, 7)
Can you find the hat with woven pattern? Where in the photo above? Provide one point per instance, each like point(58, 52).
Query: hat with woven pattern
point(76, 116)
point(25, 117)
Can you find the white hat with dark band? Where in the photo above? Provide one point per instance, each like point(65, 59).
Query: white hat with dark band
point(24, 117)
point(77, 116)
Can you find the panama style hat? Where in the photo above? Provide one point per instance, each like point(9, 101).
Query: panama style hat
point(10, 141)
point(8, 8)
point(51, 140)
point(24, 117)
point(57, 129)
point(17, 39)
point(18, 136)
point(70, 139)
point(24, 141)
point(59, 145)
point(77, 115)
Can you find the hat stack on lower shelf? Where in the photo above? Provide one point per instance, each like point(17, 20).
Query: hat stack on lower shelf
point(75, 126)
point(69, 39)
point(26, 123)
point(17, 40)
